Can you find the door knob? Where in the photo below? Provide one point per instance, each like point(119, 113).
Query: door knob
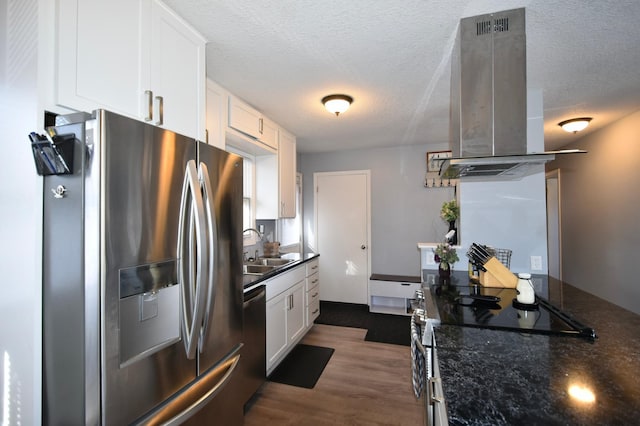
point(363, 247)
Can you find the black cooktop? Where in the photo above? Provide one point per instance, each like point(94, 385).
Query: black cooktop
point(487, 307)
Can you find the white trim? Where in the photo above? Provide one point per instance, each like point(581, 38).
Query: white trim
point(555, 174)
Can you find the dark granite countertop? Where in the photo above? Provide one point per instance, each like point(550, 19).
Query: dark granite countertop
point(251, 281)
point(494, 377)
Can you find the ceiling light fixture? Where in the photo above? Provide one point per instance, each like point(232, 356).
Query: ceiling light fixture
point(337, 103)
point(574, 125)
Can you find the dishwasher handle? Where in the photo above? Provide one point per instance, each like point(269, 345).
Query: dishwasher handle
point(254, 295)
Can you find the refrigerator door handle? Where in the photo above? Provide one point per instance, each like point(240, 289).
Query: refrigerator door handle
point(192, 219)
point(196, 395)
point(212, 228)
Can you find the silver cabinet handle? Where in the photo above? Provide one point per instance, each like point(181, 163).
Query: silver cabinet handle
point(261, 126)
point(314, 267)
point(314, 295)
point(314, 281)
point(315, 312)
point(160, 101)
point(149, 95)
point(192, 217)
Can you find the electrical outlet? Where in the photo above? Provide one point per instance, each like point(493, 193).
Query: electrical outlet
point(536, 263)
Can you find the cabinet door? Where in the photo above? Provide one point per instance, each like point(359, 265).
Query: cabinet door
point(267, 201)
point(276, 328)
point(99, 63)
point(268, 133)
point(244, 118)
point(216, 115)
point(177, 73)
point(287, 174)
point(296, 313)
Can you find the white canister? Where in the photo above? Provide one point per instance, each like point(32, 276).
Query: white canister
point(526, 294)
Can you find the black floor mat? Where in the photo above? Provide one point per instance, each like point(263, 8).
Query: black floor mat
point(343, 314)
point(394, 329)
point(382, 328)
point(303, 366)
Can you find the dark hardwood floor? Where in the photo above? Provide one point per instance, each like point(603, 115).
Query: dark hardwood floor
point(364, 383)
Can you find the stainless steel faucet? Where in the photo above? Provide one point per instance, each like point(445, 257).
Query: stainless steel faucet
point(254, 230)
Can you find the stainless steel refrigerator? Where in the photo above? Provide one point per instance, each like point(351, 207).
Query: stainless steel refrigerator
point(142, 287)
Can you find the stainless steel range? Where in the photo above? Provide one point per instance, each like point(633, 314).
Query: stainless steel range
point(426, 382)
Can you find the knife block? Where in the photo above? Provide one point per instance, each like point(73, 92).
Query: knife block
point(497, 275)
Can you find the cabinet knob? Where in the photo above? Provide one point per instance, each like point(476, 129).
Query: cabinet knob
point(363, 247)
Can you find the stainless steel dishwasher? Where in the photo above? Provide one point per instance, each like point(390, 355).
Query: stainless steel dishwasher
point(253, 360)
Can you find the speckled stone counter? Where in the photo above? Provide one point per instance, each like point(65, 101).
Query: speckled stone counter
point(493, 377)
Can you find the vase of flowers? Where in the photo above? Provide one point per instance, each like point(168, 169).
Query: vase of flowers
point(446, 256)
point(450, 212)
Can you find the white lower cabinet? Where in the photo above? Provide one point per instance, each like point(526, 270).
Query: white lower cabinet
point(389, 294)
point(312, 292)
point(285, 314)
point(295, 313)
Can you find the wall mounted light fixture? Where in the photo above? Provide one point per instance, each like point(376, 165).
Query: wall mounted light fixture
point(574, 125)
point(337, 103)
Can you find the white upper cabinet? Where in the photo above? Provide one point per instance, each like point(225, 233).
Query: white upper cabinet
point(98, 62)
point(246, 119)
point(287, 174)
point(150, 66)
point(216, 114)
point(176, 73)
point(243, 117)
point(276, 180)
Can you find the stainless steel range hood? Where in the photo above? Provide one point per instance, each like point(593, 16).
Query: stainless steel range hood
point(488, 117)
point(498, 167)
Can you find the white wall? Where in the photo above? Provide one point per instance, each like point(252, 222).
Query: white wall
point(599, 207)
point(404, 212)
point(20, 216)
point(508, 215)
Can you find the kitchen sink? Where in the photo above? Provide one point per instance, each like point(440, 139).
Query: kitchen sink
point(263, 265)
point(274, 261)
point(257, 269)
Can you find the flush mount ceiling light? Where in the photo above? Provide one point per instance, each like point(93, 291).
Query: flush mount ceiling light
point(337, 103)
point(575, 124)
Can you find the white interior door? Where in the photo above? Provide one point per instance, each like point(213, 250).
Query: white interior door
point(553, 224)
point(342, 211)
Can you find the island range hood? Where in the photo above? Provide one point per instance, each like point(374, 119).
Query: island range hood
point(488, 117)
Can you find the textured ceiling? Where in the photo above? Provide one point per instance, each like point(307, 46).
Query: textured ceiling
point(393, 58)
